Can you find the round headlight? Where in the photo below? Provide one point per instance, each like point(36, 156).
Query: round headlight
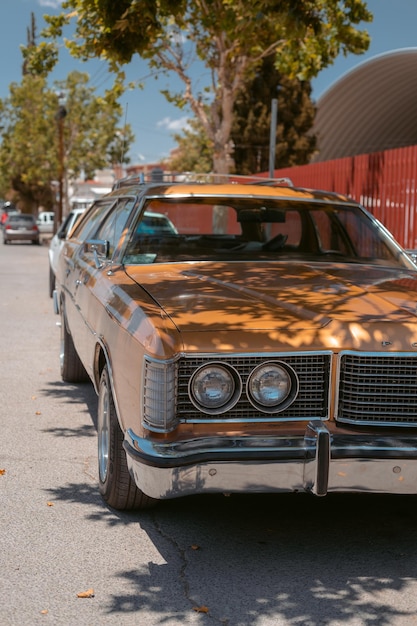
point(214, 388)
point(272, 386)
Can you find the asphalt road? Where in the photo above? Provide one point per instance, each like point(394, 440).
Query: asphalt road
point(233, 561)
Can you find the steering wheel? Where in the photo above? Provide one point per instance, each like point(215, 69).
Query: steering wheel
point(276, 243)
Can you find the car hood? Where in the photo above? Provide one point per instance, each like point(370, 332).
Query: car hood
point(283, 298)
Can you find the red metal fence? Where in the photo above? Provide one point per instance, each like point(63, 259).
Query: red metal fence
point(384, 182)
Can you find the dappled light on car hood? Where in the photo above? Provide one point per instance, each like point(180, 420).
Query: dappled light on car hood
point(237, 306)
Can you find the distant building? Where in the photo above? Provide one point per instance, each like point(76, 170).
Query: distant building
point(145, 168)
point(82, 193)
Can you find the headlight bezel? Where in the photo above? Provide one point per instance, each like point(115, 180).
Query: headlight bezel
point(233, 396)
point(287, 398)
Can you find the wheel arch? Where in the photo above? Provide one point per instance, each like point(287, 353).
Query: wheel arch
point(102, 359)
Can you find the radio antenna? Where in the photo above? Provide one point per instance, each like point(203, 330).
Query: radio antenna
point(124, 136)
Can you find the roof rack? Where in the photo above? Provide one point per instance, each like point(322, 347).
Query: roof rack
point(159, 176)
point(272, 182)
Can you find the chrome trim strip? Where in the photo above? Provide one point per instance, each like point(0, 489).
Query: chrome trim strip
point(271, 418)
point(379, 424)
point(266, 355)
point(56, 302)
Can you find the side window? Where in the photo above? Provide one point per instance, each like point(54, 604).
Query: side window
point(92, 219)
point(112, 227)
point(64, 225)
point(362, 233)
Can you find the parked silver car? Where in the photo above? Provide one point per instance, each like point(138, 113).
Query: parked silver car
point(20, 227)
point(58, 241)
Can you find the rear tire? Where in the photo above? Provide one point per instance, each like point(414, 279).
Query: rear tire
point(72, 370)
point(116, 485)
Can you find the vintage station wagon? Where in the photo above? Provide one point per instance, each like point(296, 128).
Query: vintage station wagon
point(242, 337)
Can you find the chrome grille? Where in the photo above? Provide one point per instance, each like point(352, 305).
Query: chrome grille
point(311, 403)
point(378, 389)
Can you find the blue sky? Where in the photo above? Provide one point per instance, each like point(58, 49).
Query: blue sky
point(153, 120)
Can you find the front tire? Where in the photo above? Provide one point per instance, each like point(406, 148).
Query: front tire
point(72, 370)
point(51, 282)
point(116, 485)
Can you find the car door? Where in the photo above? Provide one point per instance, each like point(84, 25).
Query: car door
point(71, 267)
point(92, 287)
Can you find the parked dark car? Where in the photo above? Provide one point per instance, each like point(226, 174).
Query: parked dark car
point(20, 227)
point(241, 338)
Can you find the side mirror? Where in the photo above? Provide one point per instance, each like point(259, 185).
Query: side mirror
point(99, 248)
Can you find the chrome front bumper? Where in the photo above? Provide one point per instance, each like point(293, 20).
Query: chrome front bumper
point(318, 462)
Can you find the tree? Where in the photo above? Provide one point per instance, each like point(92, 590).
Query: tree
point(38, 59)
point(29, 153)
point(193, 152)
point(93, 138)
point(28, 150)
point(230, 38)
point(250, 133)
point(31, 41)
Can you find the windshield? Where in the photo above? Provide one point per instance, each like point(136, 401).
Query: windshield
point(247, 228)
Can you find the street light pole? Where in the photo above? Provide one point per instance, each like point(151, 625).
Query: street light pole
point(60, 116)
point(273, 137)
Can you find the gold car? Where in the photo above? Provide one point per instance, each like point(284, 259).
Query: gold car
point(241, 337)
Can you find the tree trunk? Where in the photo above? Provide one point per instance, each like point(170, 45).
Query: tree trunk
point(221, 164)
